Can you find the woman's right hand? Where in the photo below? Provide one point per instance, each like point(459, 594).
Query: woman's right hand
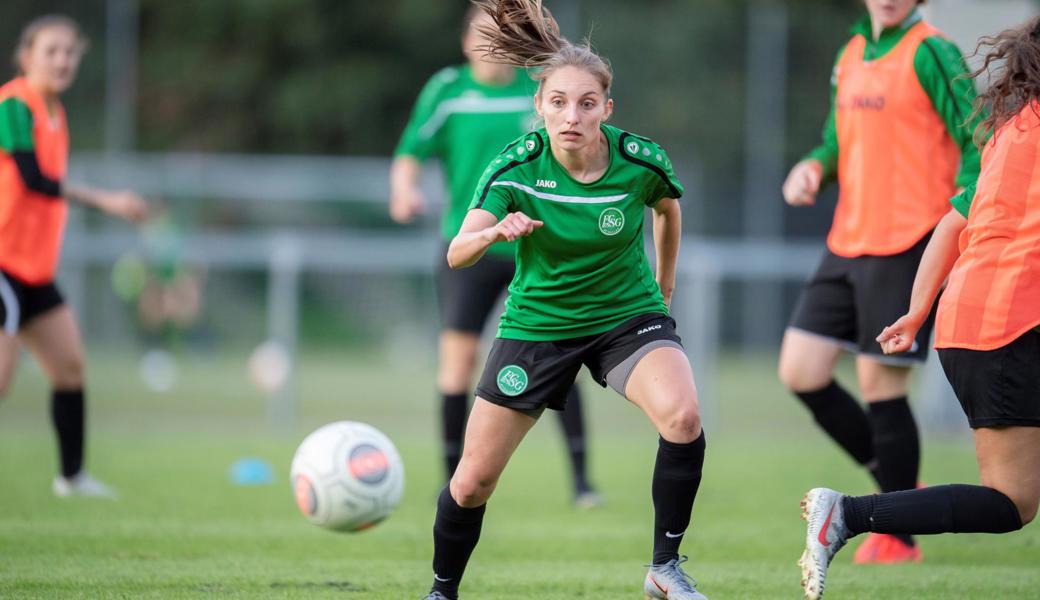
point(803, 183)
point(406, 204)
point(514, 226)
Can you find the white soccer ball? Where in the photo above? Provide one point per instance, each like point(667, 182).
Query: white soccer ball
point(347, 476)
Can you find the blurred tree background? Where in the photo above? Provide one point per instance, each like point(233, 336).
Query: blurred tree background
point(339, 77)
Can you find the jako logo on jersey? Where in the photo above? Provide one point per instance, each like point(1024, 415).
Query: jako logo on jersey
point(648, 329)
point(512, 380)
point(875, 103)
point(611, 221)
point(530, 145)
point(546, 183)
point(632, 147)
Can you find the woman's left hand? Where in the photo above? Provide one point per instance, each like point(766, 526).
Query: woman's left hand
point(899, 336)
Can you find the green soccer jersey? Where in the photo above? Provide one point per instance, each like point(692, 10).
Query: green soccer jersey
point(465, 123)
point(585, 271)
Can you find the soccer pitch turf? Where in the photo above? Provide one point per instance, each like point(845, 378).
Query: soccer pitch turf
point(181, 530)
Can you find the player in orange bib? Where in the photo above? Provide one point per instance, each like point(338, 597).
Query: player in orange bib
point(897, 141)
point(34, 150)
point(986, 332)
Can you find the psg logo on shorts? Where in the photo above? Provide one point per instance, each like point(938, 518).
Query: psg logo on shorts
point(368, 464)
point(512, 380)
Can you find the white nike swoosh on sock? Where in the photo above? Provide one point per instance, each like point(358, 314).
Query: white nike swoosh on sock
point(669, 534)
point(441, 579)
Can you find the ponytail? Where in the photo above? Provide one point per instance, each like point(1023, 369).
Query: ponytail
point(525, 34)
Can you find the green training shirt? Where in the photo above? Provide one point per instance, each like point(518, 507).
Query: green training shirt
point(16, 126)
point(465, 123)
point(962, 201)
point(585, 271)
point(939, 66)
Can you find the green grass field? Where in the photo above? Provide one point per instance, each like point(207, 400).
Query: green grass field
point(181, 530)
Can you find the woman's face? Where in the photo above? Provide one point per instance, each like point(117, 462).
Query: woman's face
point(573, 104)
point(889, 13)
point(53, 58)
point(472, 39)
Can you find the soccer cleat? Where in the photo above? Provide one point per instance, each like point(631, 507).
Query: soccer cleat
point(884, 549)
point(588, 500)
point(435, 595)
point(81, 484)
point(670, 582)
point(825, 535)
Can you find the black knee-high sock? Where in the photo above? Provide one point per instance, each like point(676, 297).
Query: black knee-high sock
point(941, 509)
point(67, 414)
point(677, 475)
point(573, 423)
point(896, 444)
point(897, 447)
point(838, 413)
point(455, 535)
point(453, 426)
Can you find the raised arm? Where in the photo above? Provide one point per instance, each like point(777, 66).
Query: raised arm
point(16, 139)
point(667, 234)
point(480, 229)
point(120, 203)
point(936, 263)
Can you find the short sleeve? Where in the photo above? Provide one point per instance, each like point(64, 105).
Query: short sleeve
point(962, 201)
point(494, 192)
point(667, 185)
point(16, 125)
point(420, 135)
point(662, 183)
point(496, 199)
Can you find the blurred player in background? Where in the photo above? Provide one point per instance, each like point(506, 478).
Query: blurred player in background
point(898, 141)
point(986, 332)
point(34, 149)
point(464, 116)
point(573, 195)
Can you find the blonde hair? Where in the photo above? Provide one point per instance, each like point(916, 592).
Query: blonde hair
point(525, 34)
point(34, 27)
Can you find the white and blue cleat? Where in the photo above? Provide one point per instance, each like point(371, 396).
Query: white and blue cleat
point(670, 582)
point(81, 484)
point(825, 534)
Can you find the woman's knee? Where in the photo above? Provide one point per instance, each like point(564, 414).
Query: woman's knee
point(1026, 502)
point(879, 381)
point(68, 373)
point(470, 490)
point(1025, 498)
point(800, 375)
point(683, 425)
point(457, 362)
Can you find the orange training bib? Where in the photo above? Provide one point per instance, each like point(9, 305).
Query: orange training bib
point(32, 224)
point(896, 161)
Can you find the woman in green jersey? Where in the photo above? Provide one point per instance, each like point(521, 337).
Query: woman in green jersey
point(464, 116)
point(573, 195)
